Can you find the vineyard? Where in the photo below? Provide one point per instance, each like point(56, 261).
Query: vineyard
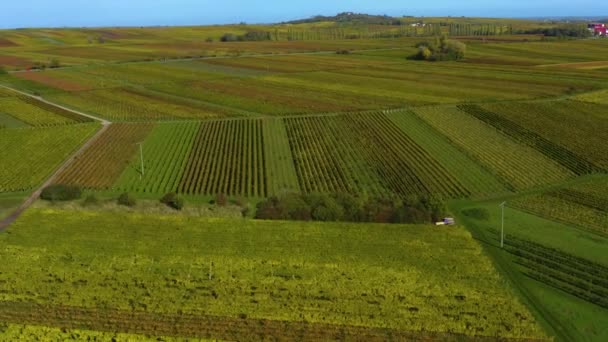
point(29, 155)
point(579, 277)
point(335, 120)
point(478, 181)
point(584, 205)
point(227, 157)
point(36, 113)
point(102, 163)
point(329, 158)
point(142, 274)
point(166, 151)
point(280, 169)
point(518, 165)
point(553, 129)
point(125, 104)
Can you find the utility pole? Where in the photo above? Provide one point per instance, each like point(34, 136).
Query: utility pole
point(502, 227)
point(141, 155)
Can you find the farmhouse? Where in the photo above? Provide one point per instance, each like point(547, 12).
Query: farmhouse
point(598, 29)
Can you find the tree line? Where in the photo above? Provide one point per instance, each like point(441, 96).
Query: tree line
point(350, 208)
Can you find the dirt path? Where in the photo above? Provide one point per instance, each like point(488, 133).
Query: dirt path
point(5, 223)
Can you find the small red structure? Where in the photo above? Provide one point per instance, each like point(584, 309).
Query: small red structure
point(598, 29)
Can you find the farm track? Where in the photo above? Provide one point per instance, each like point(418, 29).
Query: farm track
point(5, 223)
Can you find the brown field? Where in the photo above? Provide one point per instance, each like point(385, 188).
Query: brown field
point(113, 150)
point(51, 81)
point(7, 43)
point(13, 61)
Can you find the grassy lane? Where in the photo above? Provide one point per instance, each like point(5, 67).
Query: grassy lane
point(567, 317)
point(280, 168)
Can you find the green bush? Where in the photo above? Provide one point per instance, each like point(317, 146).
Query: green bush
point(221, 200)
point(229, 37)
point(481, 214)
point(90, 201)
point(61, 193)
point(127, 199)
point(173, 200)
point(325, 208)
point(271, 209)
point(54, 63)
point(295, 207)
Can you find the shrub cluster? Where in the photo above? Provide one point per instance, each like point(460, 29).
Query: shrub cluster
point(127, 199)
point(442, 49)
point(173, 200)
point(61, 193)
point(350, 208)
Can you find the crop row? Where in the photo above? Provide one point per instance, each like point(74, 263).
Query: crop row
point(165, 154)
point(559, 154)
point(578, 129)
point(579, 277)
point(185, 325)
point(37, 113)
point(126, 104)
point(227, 157)
point(564, 209)
point(474, 178)
point(364, 152)
point(583, 198)
point(316, 158)
point(28, 155)
point(517, 165)
point(104, 160)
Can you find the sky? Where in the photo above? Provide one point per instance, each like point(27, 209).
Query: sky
point(76, 13)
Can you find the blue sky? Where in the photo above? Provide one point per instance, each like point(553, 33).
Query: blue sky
point(58, 13)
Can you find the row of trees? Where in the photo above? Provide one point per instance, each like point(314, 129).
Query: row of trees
point(479, 29)
point(568, 30)
point(251, 35)
point(350, 208)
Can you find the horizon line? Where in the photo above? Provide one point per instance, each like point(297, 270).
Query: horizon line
point(581, 17)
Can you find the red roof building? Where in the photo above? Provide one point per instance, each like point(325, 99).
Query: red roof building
point(598, 29)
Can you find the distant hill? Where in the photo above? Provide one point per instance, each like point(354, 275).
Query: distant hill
point(350, 17)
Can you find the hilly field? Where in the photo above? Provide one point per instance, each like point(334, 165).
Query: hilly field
point(251, 144)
